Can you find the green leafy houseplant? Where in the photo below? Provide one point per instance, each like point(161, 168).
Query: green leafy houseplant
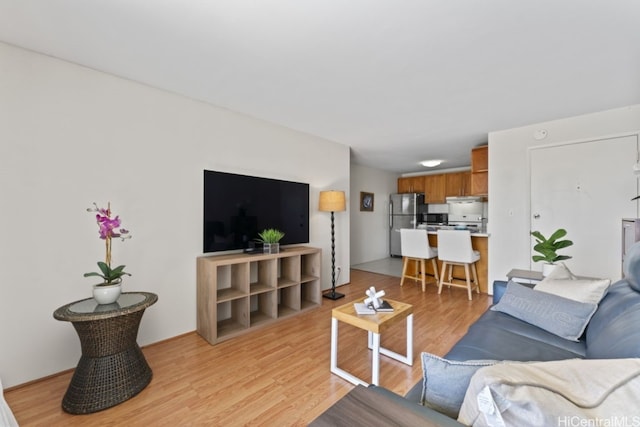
point(548, 247)
point(270, 236)
point(108, 228)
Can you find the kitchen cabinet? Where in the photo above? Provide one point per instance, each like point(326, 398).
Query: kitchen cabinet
point(411, 184)
point(434, 188)
point(458, 184)
point(480, 171)
point(437, 186)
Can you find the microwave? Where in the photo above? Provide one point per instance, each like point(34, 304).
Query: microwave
point(436, 218)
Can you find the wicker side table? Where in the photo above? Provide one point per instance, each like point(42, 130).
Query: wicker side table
point(112, 367)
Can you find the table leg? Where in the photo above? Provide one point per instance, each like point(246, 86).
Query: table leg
point(334, 344)
point(112, 368)
point(408, 359)
point(375, 356)
point(334, 357)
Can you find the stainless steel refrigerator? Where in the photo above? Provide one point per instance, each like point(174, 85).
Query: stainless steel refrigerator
point(405, 211)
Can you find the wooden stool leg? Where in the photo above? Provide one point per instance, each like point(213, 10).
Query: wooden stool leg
point(467, 275)
point(423, 273)
point(475, 277)
point(444, 268)
point(405, 264)
point(435, 270)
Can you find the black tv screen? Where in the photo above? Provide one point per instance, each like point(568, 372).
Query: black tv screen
point(238, 207)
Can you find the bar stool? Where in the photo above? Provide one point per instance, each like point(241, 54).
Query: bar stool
point(454, 248)
point(414, 245)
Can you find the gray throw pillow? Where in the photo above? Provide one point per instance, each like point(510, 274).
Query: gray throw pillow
point(445, 382)
point(560, 316)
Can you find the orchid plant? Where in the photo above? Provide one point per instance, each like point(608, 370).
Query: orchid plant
point(108, 228)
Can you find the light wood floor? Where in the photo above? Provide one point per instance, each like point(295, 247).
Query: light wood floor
point(275, 376)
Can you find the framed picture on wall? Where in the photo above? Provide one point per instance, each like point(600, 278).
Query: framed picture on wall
point(366, 201)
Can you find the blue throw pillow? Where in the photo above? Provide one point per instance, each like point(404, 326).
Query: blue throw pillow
point(445, 382)
point(560, 316)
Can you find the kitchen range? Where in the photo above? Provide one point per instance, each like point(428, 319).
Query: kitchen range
point(463, 213)
point(466, 213)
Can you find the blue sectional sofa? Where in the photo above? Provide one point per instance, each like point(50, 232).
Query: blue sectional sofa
point(613, 332)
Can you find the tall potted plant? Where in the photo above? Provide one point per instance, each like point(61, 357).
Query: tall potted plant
point(109, 289)
point(548, 248)
point(270, 239)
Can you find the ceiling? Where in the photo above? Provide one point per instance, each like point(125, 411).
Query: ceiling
point(397, 81)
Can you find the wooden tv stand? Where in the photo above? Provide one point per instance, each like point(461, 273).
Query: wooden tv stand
point(238, 293)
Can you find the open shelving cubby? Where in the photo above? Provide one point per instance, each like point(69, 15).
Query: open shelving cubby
point(310, 292)
point(237, 293)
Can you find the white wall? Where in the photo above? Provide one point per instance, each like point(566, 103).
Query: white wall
point(509, 194)
point(70, 136)
point(370, 230)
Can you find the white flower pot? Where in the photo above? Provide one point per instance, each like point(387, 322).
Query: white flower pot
point(107, 294)
point(547, 268)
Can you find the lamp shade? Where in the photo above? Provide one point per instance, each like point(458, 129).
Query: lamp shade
point(332, 201)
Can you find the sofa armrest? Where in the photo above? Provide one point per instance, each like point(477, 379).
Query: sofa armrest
point(499, 287)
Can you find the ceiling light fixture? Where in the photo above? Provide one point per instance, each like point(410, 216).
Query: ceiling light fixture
point(431, 163)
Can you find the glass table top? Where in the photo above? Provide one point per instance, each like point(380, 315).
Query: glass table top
point(88, 309)
point(91, 306)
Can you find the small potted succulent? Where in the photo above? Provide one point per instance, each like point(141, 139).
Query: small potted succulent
point(548, 249)
point(109, 289)
point(270, 239)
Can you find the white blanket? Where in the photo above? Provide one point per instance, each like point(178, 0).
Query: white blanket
point(6, 416)
point(559, 393)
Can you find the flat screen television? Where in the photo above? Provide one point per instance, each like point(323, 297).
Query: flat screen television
point(238, 207)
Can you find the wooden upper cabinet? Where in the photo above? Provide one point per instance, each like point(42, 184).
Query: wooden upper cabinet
point(434, 188)
point(458, 184)
point(411, 184)
point(466, 183)
point(404, 185)
point(480, 159)
point(480, 171)
point(480, 184)
point(418, 184)
point(438, 186)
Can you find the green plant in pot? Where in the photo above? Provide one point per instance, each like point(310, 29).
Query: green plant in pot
point(109, 228)
point(270, 239)
point(548, 249)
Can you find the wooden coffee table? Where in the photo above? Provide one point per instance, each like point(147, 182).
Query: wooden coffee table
point(374, 324)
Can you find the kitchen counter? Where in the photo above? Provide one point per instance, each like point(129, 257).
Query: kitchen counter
point(473, 233)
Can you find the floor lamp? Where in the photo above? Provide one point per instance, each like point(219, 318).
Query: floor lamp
point(332, 201)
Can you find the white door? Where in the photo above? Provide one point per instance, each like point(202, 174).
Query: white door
point(566, 192)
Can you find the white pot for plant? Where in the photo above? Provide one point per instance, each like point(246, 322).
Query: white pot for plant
point(107, 294)
point(547, 268)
